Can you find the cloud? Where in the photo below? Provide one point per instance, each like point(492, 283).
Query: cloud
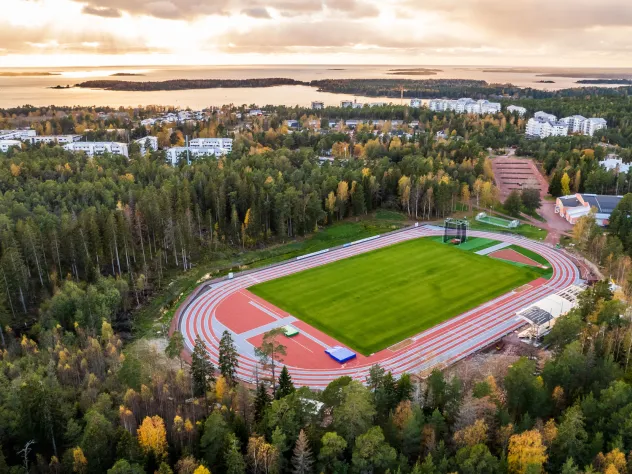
point(528, 17)
point(101, 11)
point(21, 40)
point(331, 36)
point(189, 9)
point(256, 12)
point(354, 8)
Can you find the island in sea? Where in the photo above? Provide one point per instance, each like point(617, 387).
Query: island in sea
point(420, 71)
point(622, 82)
point(28, 74)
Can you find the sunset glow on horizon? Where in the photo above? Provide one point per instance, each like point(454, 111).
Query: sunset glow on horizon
point(87, 33)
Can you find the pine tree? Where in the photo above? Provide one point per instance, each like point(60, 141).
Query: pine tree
point(202, 369)
point(262, 401)
point(302, 460)
point(175, 346)
point(228, 358)
point(3, 463)
point(235, 463)
point(286, 386)
point(555, 186)
point(270, 353)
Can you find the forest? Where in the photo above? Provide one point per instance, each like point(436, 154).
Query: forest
point(412, 88)
point(183, 84)
point(87, 244)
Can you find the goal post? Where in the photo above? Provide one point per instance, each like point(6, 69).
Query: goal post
point(455, 231)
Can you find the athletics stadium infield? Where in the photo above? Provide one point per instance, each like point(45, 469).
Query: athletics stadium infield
point(228, 305)
point(376, 299)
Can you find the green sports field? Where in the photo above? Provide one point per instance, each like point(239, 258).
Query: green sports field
point(374, 300)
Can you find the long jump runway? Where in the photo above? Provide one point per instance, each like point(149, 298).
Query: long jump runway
point(227, 305)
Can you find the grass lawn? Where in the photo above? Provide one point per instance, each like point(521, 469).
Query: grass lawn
point(177, 286)
point(473, 244)
point(498, 221)
point(526, 230)
point(374, 300)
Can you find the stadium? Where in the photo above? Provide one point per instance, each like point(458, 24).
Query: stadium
point(410, 300)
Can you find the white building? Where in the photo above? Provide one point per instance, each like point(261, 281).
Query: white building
point(541, 127)
point(416, 103)
point(61, 139)
point(574, 123)
point(6, 144)
point(545, 116)
point(98, 148)
point(317, 105)
point(178, 153)
point(438, 105)
point(16, 134)
point(148, 122)
point(613, 162)
point(376, 104)
point(147, 143)
point(346, 103)
point(591, 125)
point(225, 143)
point(521, 111)
point(255, 112)
point(465, 105)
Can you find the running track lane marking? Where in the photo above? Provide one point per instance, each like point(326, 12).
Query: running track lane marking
point(304, 347)
point(455, 345)
point(299, 369)
point(264, 309)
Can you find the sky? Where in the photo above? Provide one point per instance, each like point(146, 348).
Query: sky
point(57, 33)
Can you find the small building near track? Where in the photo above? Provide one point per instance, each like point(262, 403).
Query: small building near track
point(574, 206)
point(542, 315)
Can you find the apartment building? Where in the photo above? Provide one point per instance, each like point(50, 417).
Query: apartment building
point(17, 134)
point(465, 105)
point(416, 103)
point(537, 126)
point(591, 125)
point(98, 148)
point(61, 139)
point(542, 127)
point(521, 111)
point(224, 143)
point(545, 116)
point(147, 143)
point(574, 123)
point(178, 153)
point(317, 105)
point(613, 162)
point(5, 145)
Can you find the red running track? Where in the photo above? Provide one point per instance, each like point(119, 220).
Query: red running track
point(220, 305)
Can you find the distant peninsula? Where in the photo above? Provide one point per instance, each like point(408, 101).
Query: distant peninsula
point(125, 74)
point(622, 82)
point(187, 84)
point(420, 71)
point(547, 81)
point(28, 74)
point(393, 87)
